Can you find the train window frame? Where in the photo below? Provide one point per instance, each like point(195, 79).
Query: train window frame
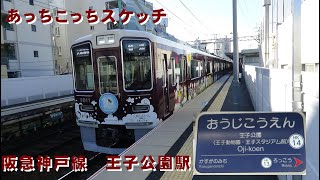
point(198, 66)
point(206, 61)
point(173, 69)
point(73, 70)
point(151, 64)
point(210, 67)
point(182, 62)
point(185, 69)
point(201, 68)
point(98, 65)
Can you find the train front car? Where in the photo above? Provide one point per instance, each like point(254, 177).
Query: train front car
point(113, 80)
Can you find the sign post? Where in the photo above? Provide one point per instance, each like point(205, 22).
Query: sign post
point(250, 143)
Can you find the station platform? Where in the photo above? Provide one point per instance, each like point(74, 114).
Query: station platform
point(31, 108)
point(174, 136)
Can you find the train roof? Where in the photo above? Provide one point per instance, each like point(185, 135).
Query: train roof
point(121, 33)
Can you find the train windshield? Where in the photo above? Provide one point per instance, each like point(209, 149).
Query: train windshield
point(137, 65)
point(83, 71)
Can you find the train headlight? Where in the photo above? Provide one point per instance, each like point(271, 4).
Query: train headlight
point(106, 39)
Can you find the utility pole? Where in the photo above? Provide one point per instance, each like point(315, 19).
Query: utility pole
point(267, 3)
point(120, 9)
point(296, 56)
point(235, 43)
point(277, 39)
point(297, 104)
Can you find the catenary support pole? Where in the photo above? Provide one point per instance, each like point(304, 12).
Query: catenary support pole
point(297, 104)
point(235, 43)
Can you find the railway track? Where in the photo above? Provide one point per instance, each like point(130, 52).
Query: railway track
point(68, 143)
point(95, 162)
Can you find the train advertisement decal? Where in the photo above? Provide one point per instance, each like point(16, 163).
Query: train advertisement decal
point(108, 103)
point(149, 78)
point(142, 117)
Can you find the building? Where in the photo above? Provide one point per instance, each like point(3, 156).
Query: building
point(277, 47)
point(65, 34)
point(216, 46)
point(26, 50)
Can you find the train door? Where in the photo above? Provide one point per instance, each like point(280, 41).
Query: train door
point(165, 85)
point(214, 71)
point(183, 72)
point(186, 77)
point(172, 84)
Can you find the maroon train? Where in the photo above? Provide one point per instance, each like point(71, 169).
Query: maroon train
point(126, 82)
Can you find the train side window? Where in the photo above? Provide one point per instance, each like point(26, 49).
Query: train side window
point(178, 71)
point(183, 69)
point(195, 67)
point(201, 69)
point(173, 75)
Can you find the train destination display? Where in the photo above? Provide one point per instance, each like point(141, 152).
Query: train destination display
point(136, 47)
point(250, 143)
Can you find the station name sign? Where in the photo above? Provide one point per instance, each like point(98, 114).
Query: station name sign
point(250, 143)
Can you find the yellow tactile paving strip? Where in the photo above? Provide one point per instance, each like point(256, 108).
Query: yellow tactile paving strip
point(218, 102)
point(187, 148)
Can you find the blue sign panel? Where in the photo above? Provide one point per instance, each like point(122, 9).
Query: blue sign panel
point(250, 143)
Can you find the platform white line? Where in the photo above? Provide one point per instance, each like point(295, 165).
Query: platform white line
point(253, 155)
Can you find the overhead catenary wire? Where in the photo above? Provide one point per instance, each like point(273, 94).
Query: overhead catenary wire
point(174, 14)
point(243, 13)
point(184, 27)
point(193, 14)
point(185, 23)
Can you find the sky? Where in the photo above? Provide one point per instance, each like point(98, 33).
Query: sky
point(209, 17)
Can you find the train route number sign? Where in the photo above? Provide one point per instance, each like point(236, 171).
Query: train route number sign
point(249, 143)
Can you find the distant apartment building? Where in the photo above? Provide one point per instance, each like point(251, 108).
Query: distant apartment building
point(216, 46)
point(65, 34)
point(26, 49)
point(221, 46)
